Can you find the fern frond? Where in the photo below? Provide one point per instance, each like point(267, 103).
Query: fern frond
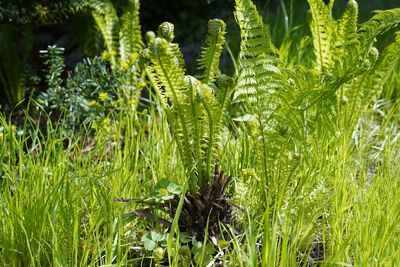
point(378, 24)
point(170, 79)
point(364, 90)
point(372, 82)
point(330, 5)
point(130, 35)
point(322, 25)
point(195, 110)
point(107, 21)
point(215, 100)
point(267, 89)
point(256, 58)
point(252, 30)
point(346, 43)
point(259, 77)
point(210, 54)
point(166, 31)
point(347, 27)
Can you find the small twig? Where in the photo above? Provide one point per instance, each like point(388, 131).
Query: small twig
point(147, 214)
point(139, 201)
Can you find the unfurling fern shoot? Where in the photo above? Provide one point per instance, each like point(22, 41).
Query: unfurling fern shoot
point(195, 111)
point(195, 108)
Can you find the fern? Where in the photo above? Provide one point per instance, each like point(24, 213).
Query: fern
point(254, 77)
point(366, 89)
point(265, 86)
point(13, 66)
point(291, 104)
point(171, 78)
point(122, 36)
point(130, 35)
point(108, 23)
point(123, 42)
point(356, 60)
point(345, 57)
point(322, 26)
point(378, 24)
point(211, 53)
point(166, 30)
point(330, 5)
point(195, 110)
point(347, 43)
point(384, 68)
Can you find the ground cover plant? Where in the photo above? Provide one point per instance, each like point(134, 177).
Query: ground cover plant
point(132, 160)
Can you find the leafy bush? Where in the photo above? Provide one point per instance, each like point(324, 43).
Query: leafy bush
point(37, 11)
point(89, 97)
point(95, 92)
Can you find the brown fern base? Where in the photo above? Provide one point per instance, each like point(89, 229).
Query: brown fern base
point(209, 206)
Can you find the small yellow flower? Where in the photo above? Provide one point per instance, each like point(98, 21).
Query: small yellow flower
point(106, 121)
point(134, 57)
point(124, 65)
point(141, 85)
point(92, 103)
point(103, 96)
point(132, 102)
point(105, 55)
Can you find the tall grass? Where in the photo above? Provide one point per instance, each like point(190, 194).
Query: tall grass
point(58, 203)
point(341, 206)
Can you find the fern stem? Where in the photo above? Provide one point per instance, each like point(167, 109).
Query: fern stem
point(196, 129)
point(210, 142)
point(177, 103)
point(208, 73)
point(153, 84)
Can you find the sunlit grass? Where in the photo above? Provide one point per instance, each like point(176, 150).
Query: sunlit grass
point(57, 202)
point(339, 206)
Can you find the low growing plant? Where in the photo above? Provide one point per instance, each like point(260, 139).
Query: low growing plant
point(195, 109)
point(292, 105)
point(122, 40)
point(89, 97)
point(298, 111)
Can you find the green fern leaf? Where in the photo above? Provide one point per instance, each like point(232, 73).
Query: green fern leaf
point(211, 52)
point(108, 23)
point(347, 43)
point(378, 24)
point(363, 91)
point(374, 80)
point(166, 31)
point(322, 26)
point(256, 59)
point(130, 36)
point(259, 78)
point(170, 80)
point(330, 5)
